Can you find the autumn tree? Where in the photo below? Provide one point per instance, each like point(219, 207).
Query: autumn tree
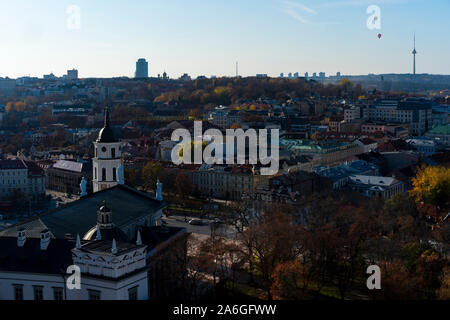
point(290, 280)
point(432, 185)
point(443, 293)
point(183, 184)
point(401, 218)
point(272, 241)
point(150, 174)
point(195, 113)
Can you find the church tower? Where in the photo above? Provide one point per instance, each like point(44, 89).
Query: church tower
point(107, 162)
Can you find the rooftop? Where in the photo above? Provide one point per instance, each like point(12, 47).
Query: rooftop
point(373, 180)
point(444, 130)
point(80, 216)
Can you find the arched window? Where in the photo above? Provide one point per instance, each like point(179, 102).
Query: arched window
point(113, 152)
point(114, 174)
point(103, 174)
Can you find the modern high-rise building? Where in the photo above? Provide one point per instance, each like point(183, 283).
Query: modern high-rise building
point(141, 68)
point(72, 74)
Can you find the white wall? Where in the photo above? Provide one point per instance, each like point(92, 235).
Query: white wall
point(110, 289)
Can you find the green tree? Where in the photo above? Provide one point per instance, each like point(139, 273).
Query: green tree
point(150, 175)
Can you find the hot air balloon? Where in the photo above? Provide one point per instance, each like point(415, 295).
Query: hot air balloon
point(379, 36)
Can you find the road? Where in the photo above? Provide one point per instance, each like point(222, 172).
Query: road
point(204, 230)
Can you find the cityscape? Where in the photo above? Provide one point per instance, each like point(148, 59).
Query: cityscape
point(257, 187)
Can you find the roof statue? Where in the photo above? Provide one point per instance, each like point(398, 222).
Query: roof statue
point(114, 247)
point(83, 184)
point(78, 245)
point(139, 239)
point(120, 175)
point(159, 196)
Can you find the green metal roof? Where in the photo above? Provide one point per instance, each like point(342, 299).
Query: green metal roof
point(445, 130)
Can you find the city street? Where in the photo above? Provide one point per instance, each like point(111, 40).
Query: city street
point(204, 230)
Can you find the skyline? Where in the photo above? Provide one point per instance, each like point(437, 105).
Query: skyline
point(270, 36)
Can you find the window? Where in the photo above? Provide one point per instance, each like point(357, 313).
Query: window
point(94, 295)
point(114, 174)
point(133, 293)
point(58, 294)
point(96, 152)
point(95, 174)
point(38, 293)
point(18, 292)
point(113, 152)
point(103, 174)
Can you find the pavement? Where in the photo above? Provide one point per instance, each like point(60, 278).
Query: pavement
point(204, 230)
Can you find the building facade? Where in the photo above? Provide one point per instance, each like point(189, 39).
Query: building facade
point(65, 176)
point(413, 111)
point(375, 186)
point(21, 178)
point(226, 182)
point(121, 251)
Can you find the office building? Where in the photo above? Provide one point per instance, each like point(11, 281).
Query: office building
point(141, 68)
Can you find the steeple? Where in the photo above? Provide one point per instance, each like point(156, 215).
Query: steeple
point(107, 166)
point(106, 123)
point(106, 134)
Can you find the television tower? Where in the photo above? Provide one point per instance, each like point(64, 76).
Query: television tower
point(414, 55)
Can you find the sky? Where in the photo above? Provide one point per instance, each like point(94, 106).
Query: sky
point(207, 37)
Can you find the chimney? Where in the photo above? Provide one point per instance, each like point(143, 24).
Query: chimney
point(45, 239)
point(21, 237)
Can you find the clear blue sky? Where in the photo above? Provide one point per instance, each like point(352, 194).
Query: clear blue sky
point(207, 37)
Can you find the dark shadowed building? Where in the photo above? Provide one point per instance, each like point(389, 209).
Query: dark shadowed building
point(65, 176)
